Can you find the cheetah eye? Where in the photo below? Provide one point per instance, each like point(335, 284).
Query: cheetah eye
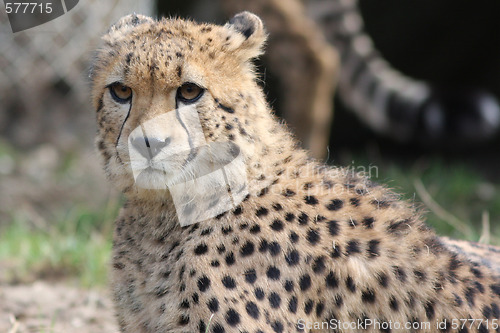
point(189, 92)
point(120, 93)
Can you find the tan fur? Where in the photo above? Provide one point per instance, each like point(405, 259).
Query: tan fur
point(309, 243)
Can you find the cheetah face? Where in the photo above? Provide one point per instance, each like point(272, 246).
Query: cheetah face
point(162, 91)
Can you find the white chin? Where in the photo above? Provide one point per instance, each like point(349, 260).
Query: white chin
point(152, 179)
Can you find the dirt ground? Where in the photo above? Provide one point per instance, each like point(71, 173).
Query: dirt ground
point(43, 307)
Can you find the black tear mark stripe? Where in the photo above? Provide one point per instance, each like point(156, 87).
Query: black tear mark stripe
point(193, 151)
point(126, 118)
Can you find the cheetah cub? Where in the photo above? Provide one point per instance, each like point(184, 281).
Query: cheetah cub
point(285, 244)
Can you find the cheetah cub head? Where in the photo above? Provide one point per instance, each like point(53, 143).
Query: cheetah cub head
point(174, 102)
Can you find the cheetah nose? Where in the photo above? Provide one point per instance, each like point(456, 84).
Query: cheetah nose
point(149, 147)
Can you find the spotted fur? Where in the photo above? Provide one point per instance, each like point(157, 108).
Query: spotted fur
point(309, 242)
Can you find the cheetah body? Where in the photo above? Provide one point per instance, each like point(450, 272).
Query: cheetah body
point(309, 244)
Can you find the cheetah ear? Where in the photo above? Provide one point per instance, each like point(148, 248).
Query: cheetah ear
point(247, 34)
point(125, 24)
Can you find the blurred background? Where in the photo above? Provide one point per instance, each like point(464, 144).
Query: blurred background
point(57, 210)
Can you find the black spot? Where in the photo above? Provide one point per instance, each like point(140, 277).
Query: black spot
point(227, 230)
point(479, 286)
point(331, 281)
point(495, 310)
point(289, 217)
point(273, 273)
point(429, 310)
point(263, 246)
point(218, 328)
point(261, 212)
point(274, 300)
point(277, 225)
point(352, 223)
point(277, 207)
point(277, 327)
point(335, 204)
point(203, 283)
point(495, 288)
point(303, 219)
point(206, 232)
point(288, 193)
point(477, 273)
point(319, 218)
point(255, 229)
point(338, 301)
point(202, 328)
point(263, 192)
point(352, 247)
point(184, 304)
point(213, 305)
point(292, 304)
point(221, 249)
point(274, 248)
point(336, 252)
point(319, 265)
point(305, 282)
point(400, 273)
point(292, 258)
point(458, 300)
point(349, 282)
point(421, 276)
point(230, 259)
point(250, 276)
point(247, 249)
point(201, 249)
point(319, 309)
point(183, 320)
point(368, 296)
point(486, 312)
point(238, 210)
point(289, 285)
point(354, 202)
point(179, 71)
point(294, 238)
point(232, 317)
point(398, 227)
point(252, 310)
point(368, 222)
point(393, 304)
point(259, 293)
point(308, 306)
point(313, 236)
point(333, 227)
point(383, 280)
point(311, 200)
point(228, 282)
point(373, 248)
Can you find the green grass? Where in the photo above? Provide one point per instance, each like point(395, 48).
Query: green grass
point(77, 244)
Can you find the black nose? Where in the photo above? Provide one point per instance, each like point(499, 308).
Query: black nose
point(149, 147)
